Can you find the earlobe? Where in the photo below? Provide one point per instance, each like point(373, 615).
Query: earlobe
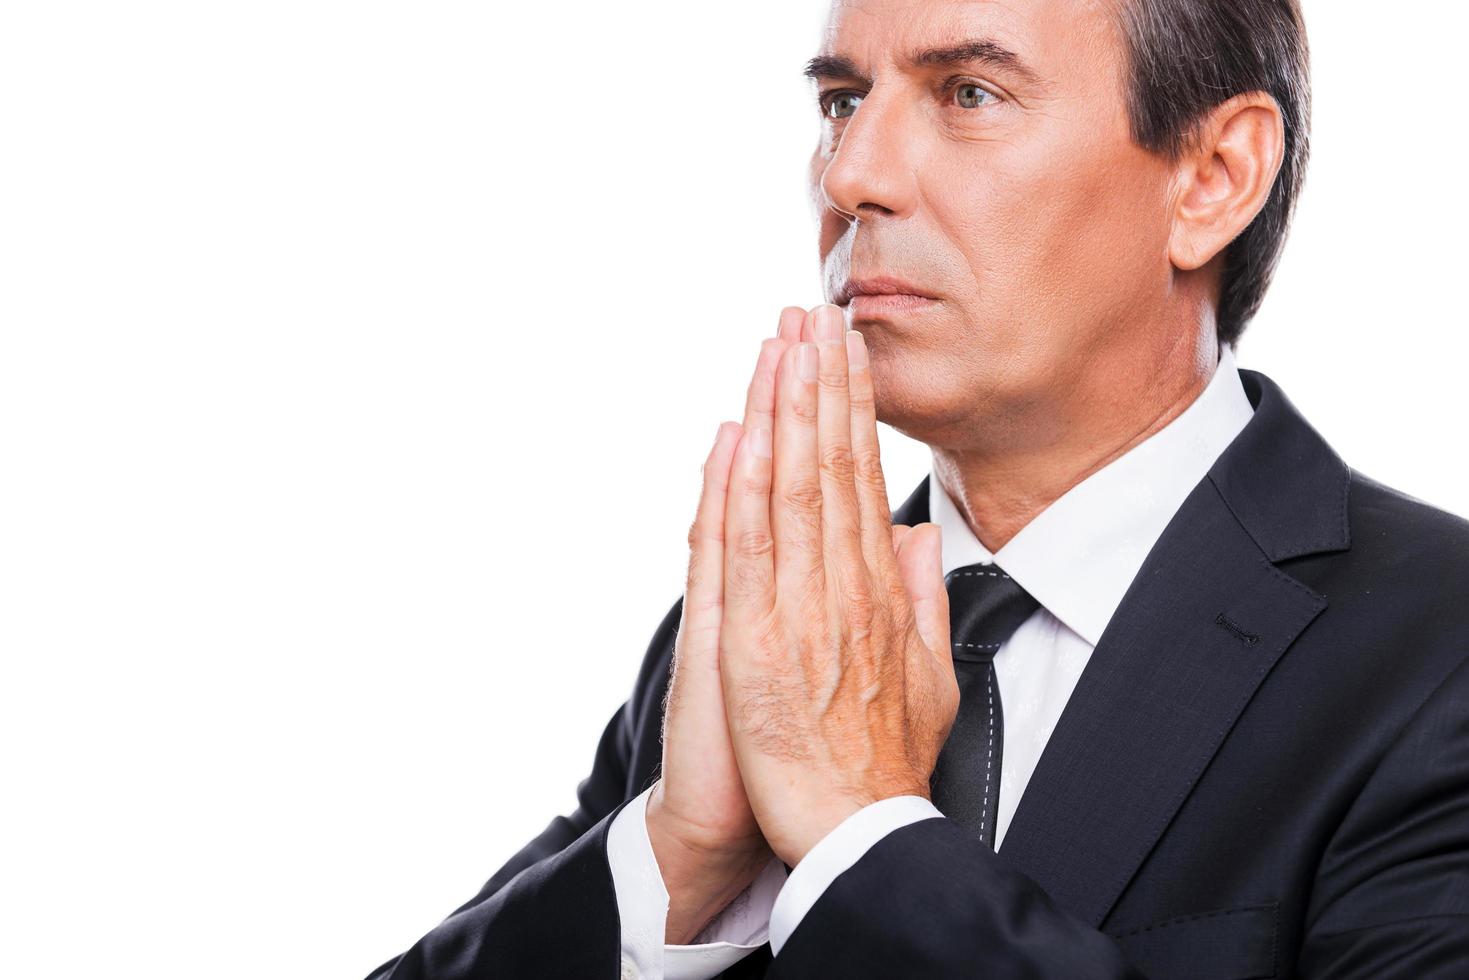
point(1225, 177)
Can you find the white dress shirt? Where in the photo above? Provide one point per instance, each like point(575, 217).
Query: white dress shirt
point(1077, 558)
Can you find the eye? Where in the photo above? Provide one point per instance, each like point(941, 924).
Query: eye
point(839, 105)
point(972, 96)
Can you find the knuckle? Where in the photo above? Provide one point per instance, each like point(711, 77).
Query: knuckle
point(704, 608)
point(804, 410)
point(832, 379)
point(950, 695)
point(868, 467)
point(697, 578)
point(803, 495)
point(754, 544)
point(836, 462)
point(704, 534)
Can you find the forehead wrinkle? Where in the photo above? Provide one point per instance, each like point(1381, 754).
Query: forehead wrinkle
point(947, 38)
point(984, 50)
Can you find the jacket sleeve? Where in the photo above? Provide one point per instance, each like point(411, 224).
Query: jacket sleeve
point(1391, 898)
point(932, 901)
point(551, 910)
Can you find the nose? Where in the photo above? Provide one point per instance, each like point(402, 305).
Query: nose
point(872, 169)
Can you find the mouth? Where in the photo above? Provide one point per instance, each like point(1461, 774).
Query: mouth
point(876, 294)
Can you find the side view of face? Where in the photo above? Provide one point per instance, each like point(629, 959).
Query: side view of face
point(978, 153)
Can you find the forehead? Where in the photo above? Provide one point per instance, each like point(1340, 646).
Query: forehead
point(1054, 38)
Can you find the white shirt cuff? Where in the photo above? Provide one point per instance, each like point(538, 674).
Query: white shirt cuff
point(841, 848)
point(642, 904)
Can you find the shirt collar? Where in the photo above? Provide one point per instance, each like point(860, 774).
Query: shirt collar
point(1079, 555)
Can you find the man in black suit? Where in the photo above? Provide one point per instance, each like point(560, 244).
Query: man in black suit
point(1201, 706)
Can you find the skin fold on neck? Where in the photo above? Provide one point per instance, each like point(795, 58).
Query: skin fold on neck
point(1001, 490)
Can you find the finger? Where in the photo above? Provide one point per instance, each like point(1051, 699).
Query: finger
point(749, 573)
point(704, 590)
point(920, 562)
point(872, 496)
point(760, 396)
point(795, 493)
point(841, 527)
point(808, 324)
point(791, 319)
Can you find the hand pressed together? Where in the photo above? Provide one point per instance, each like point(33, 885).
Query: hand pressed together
point(812, 672)
point(837, 678)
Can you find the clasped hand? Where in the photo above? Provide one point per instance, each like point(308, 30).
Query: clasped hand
point(812, 672)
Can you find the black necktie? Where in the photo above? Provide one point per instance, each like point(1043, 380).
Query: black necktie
point(985, 607)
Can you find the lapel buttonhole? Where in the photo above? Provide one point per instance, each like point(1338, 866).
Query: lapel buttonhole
point(1247, 638)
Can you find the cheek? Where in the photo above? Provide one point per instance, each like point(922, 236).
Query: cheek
point(1063, 246)
point(1003, 226)
point(1113, 236)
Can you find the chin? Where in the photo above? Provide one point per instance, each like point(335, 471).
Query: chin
point(910, 403)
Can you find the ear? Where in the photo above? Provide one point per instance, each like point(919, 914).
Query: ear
point(1225, 176)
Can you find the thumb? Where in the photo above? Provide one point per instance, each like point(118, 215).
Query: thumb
point(920, 562)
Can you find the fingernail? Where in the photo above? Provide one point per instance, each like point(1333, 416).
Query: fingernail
point(856, 349)
point(760, 442)
point(806, 359)
point(828, 323)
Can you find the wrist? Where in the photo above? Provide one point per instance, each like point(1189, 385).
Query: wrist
point(818, 820)
point(700, 837)
point(700, 880)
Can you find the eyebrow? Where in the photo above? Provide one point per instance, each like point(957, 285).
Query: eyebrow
point(976, 50)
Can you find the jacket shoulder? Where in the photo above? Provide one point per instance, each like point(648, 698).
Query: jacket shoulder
point(1400, 582)
point(1388, 520)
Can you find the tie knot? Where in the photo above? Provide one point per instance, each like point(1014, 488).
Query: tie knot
point(986, 605)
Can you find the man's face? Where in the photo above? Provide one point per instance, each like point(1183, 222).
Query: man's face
point(1010, 193)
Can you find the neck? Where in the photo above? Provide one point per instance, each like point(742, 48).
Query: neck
point(1000, 485)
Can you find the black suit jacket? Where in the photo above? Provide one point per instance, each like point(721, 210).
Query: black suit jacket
point(1262, 772)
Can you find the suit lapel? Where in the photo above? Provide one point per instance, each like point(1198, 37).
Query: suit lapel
point(1200, 626)
point(1196, 633)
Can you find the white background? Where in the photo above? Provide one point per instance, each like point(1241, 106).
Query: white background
point(341, 340)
